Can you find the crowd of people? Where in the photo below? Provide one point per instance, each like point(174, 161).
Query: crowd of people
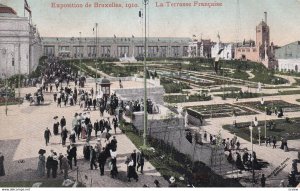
point(102, 152)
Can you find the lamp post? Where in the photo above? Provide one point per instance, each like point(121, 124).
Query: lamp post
point(251, 139)
point(4, 52)
point(262, 103)
point(266, 125)
point(80, 53)
point(96, 50)
point(259, 130)
point(145, 2)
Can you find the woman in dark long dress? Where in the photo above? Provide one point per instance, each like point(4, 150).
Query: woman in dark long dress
point(131, 171)
point(2, 171)
point(55, 127)
point(41, 165)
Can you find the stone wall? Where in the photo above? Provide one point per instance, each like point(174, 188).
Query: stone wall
point(172, 132)
point(194, 121)
point(155, 92)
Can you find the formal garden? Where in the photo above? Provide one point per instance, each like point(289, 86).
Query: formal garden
point(286, 128)
point(115, 70)
point(271, 106)
point(226, 89)
point(173, 86)
point(185, 98)
point(221, 110)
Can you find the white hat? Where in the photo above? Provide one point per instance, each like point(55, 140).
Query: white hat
point(172, 179)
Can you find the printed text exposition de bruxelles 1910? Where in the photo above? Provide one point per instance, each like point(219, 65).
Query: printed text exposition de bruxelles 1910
point(130, 5)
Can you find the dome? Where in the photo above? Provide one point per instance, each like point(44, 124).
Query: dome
point(7, 10)
point(104, 81)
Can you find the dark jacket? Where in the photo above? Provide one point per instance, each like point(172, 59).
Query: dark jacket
point(102, 157)
point(47, 133)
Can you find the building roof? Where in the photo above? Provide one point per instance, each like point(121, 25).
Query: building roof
point(4, 10)
point(262, 23)
point(104, 81)
point(115, 39)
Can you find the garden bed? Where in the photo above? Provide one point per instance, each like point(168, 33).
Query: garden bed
point(171, 87)
point(222, 110)
point(115, 70)
point(234, 89)
point(289, 129)
point(271, 105)
point(183, 98)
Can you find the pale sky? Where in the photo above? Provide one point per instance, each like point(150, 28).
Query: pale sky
point(283, 19)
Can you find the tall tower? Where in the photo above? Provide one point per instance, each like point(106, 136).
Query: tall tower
point(263, 33)
point(263, 38)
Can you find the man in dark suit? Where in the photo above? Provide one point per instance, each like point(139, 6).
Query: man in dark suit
point(93, 159)
point(64, 135)
point(47, 135)
point(73, 154)
point(63, 122)
point(96, 127)
point(102, 160)
point(49, 164)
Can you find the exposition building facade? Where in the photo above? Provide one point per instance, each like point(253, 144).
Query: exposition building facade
point(114, 47)
point(289, 57)
point(20, 44)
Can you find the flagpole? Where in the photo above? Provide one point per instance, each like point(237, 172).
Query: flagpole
point(145, 78)
point(19, 81)
point(96, 56)
point(80, 53)
point(6, 84)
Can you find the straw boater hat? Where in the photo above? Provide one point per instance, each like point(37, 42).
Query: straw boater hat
point(172, 179)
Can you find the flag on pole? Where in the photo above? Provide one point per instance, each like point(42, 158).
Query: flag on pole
point(220, 51)
point(26, 7)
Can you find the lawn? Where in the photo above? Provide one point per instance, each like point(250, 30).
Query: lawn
point(115, 70)
point(283, 128)
point(237, 74)
point(171, 86)
point(221, 110)
point(183, 98)
point(278, 87)
point(226, 89)
point(289, 92)
point(271, 105)
point(239, 95)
